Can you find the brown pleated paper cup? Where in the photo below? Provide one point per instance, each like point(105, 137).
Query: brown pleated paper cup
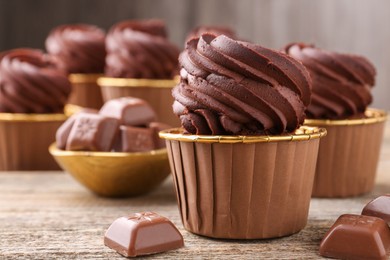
point(243, 187)
point(348, 156)
point(85, 91)
point(24, 141)
point(158, 93)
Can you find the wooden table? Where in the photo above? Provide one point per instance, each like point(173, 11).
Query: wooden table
point(49, 215)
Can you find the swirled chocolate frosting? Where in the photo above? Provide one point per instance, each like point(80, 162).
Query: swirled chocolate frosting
point(235, 87)
point(216, 30)
point(78, 48)
point(140, 49)
point(341, 82)
point(30, 83)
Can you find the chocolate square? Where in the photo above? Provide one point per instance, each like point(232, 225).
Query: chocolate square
point(129, 111)
point(63, 131)
point(379, 207)
point(157, 127)
point(142, 234)
point(356, 237)
point(92, 133)
point(136, 139)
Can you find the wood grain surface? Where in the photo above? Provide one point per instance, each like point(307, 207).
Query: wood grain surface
point(49, 215)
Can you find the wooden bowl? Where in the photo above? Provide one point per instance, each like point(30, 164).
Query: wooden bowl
point(114, 174)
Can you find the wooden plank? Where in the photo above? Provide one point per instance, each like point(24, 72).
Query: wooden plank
point(49, 215)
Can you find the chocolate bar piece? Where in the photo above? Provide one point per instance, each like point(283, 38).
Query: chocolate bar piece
point(379, 207)
point(129, 111)
point(136, 139)
point(92, 133)
point(142, 234)
point(63, 131)
point(157, 127)
point(356, 237)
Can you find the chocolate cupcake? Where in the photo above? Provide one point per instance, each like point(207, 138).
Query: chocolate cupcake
point(242, 165)
point(212, 29)
point(141, 62)
point(79, 49)
point(342, 84)
point(33, 93)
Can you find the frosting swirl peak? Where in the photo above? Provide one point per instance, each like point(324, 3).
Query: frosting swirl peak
point(78, 48)
point(30, 83)
point(140, 49)
point(341, 82)
point(236, 87)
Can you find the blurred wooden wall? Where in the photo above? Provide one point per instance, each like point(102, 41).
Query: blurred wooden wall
point(356, 26)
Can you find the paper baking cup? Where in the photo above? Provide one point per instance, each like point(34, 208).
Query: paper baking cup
point(85, 91)
point(158, 93)
point(243, 187)
point(24, 141)
point(348, 156)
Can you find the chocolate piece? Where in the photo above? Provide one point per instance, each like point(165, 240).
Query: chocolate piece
point(63, 131)
point(129, 111)
point(157, 127)
point(379, 207)
point(92, 133)
point(356, 237)
point(142, 234)
point(136, 139)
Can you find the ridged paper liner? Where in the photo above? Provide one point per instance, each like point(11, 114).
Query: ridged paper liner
point(158, 93)
point(238, 190)
point(85, 91)
point(24, 141)
point(348, 156)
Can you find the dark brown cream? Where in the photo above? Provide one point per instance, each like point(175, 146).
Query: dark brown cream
point(236, 87)
point(140, 49)
point(31, 83)
point(78, 48)
point(341, 82)
point(212, 29)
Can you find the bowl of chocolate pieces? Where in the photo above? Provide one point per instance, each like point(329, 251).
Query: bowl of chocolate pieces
point(116, 151)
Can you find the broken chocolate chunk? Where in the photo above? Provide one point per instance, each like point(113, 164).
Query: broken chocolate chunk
point(157, 127)
point(142, 234)
point(356, 237)
point(92, 132)
point(379, 207)
point(129, 111)
point(136, 139)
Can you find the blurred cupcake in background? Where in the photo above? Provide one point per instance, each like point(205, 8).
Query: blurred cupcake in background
point(211, 29)
point(33, 92)
point(79, 49)
point(342, 84)
point(141, 62)
point(242, 166)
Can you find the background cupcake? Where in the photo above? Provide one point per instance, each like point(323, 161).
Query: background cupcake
point(241, 168)
point(141, 62)
point(211, 29)
point(79, 49)
point(342, 86)
point(33, 93)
